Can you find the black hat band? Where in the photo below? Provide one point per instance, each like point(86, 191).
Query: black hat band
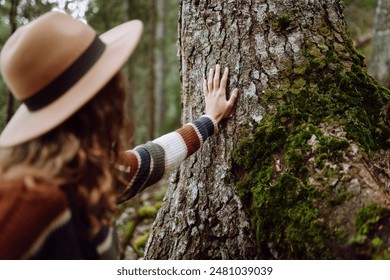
point(68, 78)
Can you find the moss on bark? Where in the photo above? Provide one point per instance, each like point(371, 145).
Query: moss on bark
point(329, 87)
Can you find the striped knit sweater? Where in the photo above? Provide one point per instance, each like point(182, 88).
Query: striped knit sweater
point(44, 223)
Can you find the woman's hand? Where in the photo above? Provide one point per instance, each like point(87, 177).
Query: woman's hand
point(215, 94)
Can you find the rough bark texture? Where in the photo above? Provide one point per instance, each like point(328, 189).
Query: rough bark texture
point(311, 116)
point(202, 213)
point(380, 64)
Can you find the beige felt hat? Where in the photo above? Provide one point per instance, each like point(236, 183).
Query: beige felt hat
point(56, 64)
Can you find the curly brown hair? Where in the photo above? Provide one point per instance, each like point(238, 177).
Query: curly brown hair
point(79, 155)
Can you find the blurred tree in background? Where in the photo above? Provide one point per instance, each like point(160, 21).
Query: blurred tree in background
point(360, 15)
point(153, 75)
point(14, 13)
point(380, 62)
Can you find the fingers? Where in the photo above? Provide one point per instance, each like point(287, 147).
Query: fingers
point(214, 82)
point(231, 101)
point(214, 89)
point(217, 85)
point(216, 76)
point(233, 96)
point(224, 78)
point(205, 90)
point(210, 80)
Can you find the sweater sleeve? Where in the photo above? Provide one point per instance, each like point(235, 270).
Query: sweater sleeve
point(148, 163)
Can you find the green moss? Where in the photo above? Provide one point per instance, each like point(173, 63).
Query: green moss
point(129, 229)
point(376, 242)
point(148, 211)
point(282, 22)
point(338, 195)
point(329, 88)
point(370, 236)
point(285, 210)
point(331, 148)
point(315, 52)
point(158, 205)
point(383, 256)
point(140, 243)
point(366, 218)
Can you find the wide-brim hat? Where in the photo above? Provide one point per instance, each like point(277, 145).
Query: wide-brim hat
point(56, 64)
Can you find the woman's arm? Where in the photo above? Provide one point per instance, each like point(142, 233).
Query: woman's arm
point(148, 163)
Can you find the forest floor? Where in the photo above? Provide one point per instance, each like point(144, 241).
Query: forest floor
point(136, 220)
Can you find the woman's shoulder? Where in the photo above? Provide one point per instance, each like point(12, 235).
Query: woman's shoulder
point(18, 196)
point(28, 215)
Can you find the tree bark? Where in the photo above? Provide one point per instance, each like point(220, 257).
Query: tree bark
point(308, 114)
point(379, 66)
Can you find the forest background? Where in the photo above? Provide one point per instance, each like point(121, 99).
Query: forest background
point(153, 76)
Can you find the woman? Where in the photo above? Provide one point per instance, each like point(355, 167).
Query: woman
point(61, 161)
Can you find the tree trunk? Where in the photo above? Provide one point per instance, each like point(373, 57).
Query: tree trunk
point(305, 181)
point(130, 103)
point(151, 80)
point(161, 63)
point(380, 63)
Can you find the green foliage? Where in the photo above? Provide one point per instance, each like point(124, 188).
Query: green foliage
point(103, 15)
point(370, 232)
point(329, 88)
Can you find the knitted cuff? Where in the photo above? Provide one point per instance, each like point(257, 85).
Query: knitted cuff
point(214, 123)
